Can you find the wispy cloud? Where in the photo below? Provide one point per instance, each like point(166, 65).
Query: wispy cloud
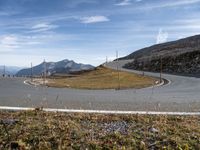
point(8, 13)
point(161, 37)
point(176, 3)
point(138, 0)
point(23, 43)
point(43, 27)
point(9, 42)
point(94, 19)
point(124, 3)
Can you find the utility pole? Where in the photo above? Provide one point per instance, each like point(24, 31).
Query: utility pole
point(31, 72)
point(4, 71)
point(117, 56)
point(106, 59)
point(161, 67)
point(143, 68)
point(44, 72)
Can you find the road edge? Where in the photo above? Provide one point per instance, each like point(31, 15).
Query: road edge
point(6, 108)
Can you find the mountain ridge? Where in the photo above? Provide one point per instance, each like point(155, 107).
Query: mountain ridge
point(63, 66)
point(180, 57)
point(182, 43)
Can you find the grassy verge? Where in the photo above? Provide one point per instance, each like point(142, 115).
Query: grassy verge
point(42, 130)
point(102, 78)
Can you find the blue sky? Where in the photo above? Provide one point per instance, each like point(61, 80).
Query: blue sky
point(89, 30)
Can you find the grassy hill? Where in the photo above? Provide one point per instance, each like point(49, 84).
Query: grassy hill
point(102, 78)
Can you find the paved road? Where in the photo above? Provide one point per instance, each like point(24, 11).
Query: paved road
point(183, 94)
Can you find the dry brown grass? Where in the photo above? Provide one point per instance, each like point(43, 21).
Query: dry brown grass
point(103, 78)
point(42, 130)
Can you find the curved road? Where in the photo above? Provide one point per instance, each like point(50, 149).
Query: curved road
point(182, 94)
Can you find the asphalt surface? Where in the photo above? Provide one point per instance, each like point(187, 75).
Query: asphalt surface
point(181, 94)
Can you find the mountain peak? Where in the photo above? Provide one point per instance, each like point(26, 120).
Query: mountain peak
point(64, 66)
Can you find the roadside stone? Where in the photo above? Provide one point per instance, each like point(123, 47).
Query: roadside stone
point(153, 130)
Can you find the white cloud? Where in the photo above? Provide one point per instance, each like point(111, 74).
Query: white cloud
point(173, 3)
point(161, 37)
point(8, 13)
point(42, 27)
point(124, 3)
point(75, 3)
point(94, 19)
point(11, 42)
point(8, 42)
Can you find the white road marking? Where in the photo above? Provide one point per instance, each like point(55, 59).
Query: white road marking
point(101, 111)
point(27, 82)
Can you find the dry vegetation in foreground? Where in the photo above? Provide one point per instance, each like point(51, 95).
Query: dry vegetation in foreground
point(102, 78)
point(42, 130)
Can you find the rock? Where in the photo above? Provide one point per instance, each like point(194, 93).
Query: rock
point(118, 126)
point(9, 121)
point(142, 145)
point(153, 130)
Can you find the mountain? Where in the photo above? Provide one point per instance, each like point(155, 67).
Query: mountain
point(177, 57)
point(9, 70)
point(64, 66)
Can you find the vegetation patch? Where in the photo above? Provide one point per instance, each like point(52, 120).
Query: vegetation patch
point(102, 78)
point(45, 130)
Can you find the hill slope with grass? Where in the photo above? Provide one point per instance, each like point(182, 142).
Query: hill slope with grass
point(102, 78)
point(178, 57)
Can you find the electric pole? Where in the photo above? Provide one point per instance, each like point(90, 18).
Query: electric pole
point(161, 67)
point(31, 72)
point(118, 69)
point(106, 59)
point(143, 68)
point(4, 71)
point(44, 72)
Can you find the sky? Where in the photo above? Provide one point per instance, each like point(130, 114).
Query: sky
point(87, 31)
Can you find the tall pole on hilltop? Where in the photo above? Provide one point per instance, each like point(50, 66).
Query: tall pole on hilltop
point(117, 56)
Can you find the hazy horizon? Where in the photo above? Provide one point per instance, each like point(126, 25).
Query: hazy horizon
point(87, 31)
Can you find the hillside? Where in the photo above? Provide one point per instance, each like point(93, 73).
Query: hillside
point(64, 66)
point(178, 57)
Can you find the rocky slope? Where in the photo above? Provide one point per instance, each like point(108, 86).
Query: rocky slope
point(64, 66)
point(177, 57)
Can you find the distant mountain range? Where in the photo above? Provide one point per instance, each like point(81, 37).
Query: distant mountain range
point(178, 57)
point(9, 70)
point(64, 66)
